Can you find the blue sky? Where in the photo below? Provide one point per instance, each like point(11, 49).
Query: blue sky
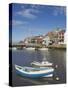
point(32, 20)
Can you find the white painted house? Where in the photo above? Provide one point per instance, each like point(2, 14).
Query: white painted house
point(46, 40)
point(65, 37)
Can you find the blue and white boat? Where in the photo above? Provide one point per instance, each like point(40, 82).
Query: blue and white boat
point(34, 72)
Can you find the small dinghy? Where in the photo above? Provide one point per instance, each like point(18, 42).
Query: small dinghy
point(34, 72)
point(42, 64)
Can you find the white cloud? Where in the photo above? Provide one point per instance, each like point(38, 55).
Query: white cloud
point(59, 11)
point(28, 13)
point(35, 6)
point(18, 22)
point(38, 7)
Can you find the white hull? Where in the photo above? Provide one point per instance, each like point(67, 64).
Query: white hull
point(51, 75)
point(30, 48)
point(42, 49)
point(42, 64)
point(14, 48)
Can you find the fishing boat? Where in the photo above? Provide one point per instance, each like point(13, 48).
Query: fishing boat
point(42, 64)
point(31, 72)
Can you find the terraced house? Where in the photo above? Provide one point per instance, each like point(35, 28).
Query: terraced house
point(61, 37)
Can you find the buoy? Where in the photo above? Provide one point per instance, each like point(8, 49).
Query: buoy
point(57, 78)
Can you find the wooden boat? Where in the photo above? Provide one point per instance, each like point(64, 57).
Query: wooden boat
point(31, 72)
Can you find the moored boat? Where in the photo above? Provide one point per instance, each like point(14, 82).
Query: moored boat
point(30, 48)
point(34, 72)
point(42, 49)
point(14, 48)
point(42, 64)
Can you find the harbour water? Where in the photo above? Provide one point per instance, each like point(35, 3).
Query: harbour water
point(25, 57)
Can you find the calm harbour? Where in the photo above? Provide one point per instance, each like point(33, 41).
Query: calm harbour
point(25, 57)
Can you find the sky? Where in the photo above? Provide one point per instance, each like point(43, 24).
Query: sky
point(33, 20)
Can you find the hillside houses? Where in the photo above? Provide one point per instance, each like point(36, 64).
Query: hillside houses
point(35, 39)
point(57, 36)
point(53, 37)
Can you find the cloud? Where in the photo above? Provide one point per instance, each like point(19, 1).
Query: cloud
point(34, 6)
point(18, 22)
point(28, 13)
point(59, 11)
